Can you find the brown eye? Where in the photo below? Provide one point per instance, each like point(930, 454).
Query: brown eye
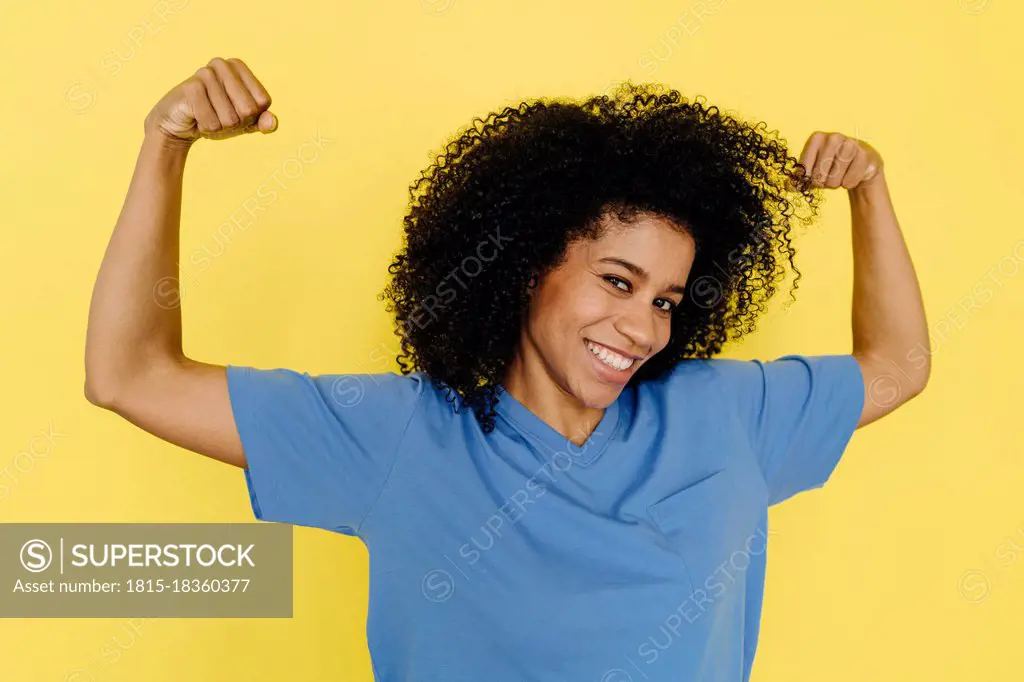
point(612, 279)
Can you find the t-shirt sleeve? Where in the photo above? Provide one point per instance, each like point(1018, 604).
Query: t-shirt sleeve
point(319, 448)
point(800, 413)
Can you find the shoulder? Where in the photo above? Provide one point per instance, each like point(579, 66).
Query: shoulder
point(731, 376)
point(715, 376)
point(354, 397)
point(703, 390)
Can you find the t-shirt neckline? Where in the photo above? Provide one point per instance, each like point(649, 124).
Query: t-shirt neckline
point(530, 423)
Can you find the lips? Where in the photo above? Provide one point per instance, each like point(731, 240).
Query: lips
point(617, 351)
point(606, 372)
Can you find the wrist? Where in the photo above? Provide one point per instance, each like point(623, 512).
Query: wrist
point(870, 189)
point(164, 147)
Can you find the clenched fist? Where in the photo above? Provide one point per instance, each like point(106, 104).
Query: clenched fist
point(222, 99)
point(832, 160)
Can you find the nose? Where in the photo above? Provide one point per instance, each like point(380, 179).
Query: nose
point(639, 324)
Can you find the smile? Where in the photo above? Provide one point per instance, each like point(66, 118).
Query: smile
point(609, 357)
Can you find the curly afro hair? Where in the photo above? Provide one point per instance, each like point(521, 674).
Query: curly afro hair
point(499, 207)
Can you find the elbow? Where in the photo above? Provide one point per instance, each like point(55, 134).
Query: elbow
point(920, 365)
point(108, 375)
point(101, 389)
point(98, 386)
point(917, 381)
point(910, 372)
point(99, 394)
point(113, 387)
point(922, 373)
point(920, 385)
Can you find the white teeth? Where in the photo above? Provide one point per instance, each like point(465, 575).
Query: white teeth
point(609, 358)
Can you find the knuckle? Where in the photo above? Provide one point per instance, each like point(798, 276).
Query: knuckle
point(247, 111)
point(216, 61)
point(237, 62)
point(193, 87)
point(205, 73)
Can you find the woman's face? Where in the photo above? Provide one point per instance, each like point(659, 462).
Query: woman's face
point(607, 309)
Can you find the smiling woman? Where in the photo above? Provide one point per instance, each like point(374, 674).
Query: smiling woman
point(603, 313)
point(611, 206)
point(560, 459)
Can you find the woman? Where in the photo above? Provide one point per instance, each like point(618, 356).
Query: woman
point(561, 483)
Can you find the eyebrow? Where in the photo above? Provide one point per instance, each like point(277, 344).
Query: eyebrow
point(640, 272)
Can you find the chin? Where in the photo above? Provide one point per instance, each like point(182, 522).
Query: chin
point(598, 394)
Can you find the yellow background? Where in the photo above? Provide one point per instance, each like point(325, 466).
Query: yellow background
point(905, 566)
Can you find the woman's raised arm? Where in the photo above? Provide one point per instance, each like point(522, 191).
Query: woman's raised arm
point(890, 331)
point(134, 364)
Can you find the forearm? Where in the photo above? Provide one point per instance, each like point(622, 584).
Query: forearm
point(135, 314)
point(889, 324)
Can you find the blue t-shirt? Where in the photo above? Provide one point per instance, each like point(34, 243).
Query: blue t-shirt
point(517, 555)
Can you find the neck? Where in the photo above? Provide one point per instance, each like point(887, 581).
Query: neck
point(529, 381)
